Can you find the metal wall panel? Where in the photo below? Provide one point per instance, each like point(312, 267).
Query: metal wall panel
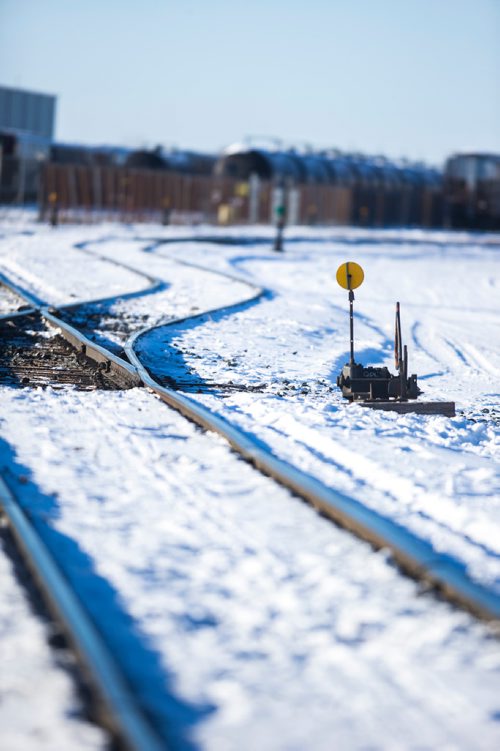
point(27, 110)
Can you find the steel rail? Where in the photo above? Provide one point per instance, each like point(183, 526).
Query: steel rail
point(17, 314)
point(110, 363)
point(259, 291)
point(415, 556)
point(14, 313)
point(121, 714)
point(34, 301)
point(118, 710)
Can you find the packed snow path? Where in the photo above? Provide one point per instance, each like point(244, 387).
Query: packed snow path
point(306, 646)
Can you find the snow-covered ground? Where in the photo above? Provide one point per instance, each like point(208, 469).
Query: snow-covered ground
point(436, 476)
point(244, 619)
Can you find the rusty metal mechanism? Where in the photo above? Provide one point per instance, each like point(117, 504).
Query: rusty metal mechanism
point(378, 388)
point(360, 383)
point(369, 384)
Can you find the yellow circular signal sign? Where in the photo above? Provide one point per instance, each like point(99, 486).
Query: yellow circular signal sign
point(350, 275)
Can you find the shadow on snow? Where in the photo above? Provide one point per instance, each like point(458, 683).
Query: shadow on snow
point(140, 662)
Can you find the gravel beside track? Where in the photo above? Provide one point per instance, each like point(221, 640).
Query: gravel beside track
point(33, 354)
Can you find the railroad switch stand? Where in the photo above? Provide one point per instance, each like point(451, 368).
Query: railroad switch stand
point(376, 387)
point(360, 383)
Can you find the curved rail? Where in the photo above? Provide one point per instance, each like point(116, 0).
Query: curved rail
point(110, 363)
point(414, 555)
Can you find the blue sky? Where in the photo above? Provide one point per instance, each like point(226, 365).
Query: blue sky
point(415, 78)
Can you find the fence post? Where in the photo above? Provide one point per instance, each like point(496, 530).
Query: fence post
point(54, 209)
point(253, 203)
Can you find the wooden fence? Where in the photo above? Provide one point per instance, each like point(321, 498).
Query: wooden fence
point(84, 193)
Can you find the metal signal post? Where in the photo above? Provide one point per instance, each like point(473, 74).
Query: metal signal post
point(350, 276)
point(351, 318)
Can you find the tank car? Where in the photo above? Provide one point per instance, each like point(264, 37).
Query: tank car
point(472, 191)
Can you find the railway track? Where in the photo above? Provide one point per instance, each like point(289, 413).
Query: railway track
point(113, 701)
point(118, 710)
point(33, 354)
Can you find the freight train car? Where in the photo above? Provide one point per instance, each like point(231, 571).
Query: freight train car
point(472, 191)
point(88, 156)
point(22, 154)
point(370, 191)
point(175, 160)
